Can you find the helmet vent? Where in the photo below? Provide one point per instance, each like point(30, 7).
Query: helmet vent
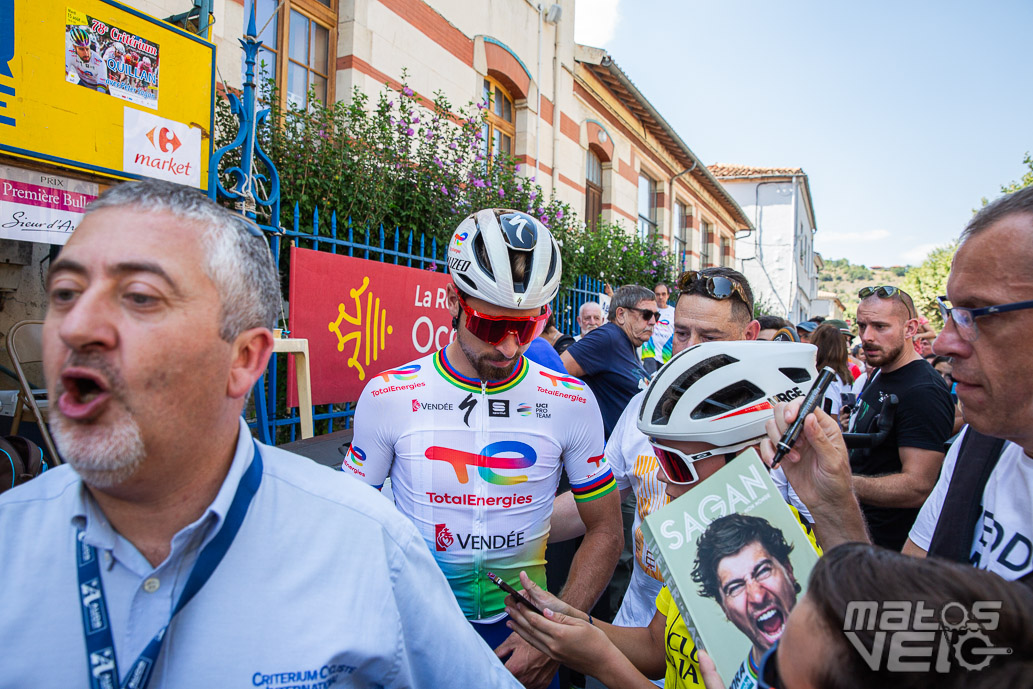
point(727, 399)
point(480, 253)
point(797, 375)
point(552, 264)
point(662, 411)
point(470, 284)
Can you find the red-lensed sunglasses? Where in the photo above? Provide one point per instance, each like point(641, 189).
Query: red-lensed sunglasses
point(495, 329)
point(675, 463)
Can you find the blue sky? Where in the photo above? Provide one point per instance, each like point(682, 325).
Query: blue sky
point(903, 114)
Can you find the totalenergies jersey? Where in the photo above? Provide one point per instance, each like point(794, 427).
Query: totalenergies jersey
point(475, 465)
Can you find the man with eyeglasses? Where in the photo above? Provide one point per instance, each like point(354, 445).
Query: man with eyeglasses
point(894, 479)
point(474, 437)
point(607, 358)
point(981, 509)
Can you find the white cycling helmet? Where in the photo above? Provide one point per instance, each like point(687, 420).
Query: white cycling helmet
point(722, 393)
point(479, 258)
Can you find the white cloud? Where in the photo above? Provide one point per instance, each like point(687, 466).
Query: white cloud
point(917, 254)
point(595, 22)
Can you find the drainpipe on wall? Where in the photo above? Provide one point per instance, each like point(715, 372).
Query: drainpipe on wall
point(538, 113)
point(670, 205)
point(555, 12)
point(758, 249)
point(795, 278)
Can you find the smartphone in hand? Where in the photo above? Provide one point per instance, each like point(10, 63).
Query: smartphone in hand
point(520, 598)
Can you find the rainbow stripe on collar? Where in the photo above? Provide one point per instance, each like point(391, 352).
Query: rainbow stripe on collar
point(449, 373)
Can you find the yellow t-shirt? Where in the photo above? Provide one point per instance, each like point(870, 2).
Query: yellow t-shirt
point(679, 648)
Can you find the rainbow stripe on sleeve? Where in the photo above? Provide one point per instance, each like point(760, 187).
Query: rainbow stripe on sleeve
point(595, 487)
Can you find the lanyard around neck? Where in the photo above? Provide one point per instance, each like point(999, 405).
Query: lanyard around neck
point(100, 647)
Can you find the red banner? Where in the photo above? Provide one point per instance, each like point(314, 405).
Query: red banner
point(361, 317)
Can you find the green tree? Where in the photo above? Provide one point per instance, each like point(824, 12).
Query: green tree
point(928, 280)
point(1027, 178)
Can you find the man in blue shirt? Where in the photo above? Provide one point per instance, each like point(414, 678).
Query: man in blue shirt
point(172, 549)
point(607, 357)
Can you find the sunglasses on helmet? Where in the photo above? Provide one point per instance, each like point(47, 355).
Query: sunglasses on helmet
point(888, 292)
point(495, 329)
point(714, 286)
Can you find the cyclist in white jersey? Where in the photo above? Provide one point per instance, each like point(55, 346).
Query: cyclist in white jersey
point(474, 436)
point(83, 64)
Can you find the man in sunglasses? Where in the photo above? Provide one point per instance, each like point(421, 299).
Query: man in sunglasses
point(474, 436)
point(894, 479)
point(714, 305)
point(980, 510)
point(607, 358)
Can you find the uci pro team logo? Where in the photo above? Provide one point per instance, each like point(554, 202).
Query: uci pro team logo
point(505, 454)
point(569, 383)
point(405, 373)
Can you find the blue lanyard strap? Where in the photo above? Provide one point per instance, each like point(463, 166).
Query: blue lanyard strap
point(100, 646)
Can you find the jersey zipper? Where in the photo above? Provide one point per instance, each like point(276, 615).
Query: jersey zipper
point(480, 512)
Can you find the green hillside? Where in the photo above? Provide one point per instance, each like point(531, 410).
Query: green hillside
point(845, 279)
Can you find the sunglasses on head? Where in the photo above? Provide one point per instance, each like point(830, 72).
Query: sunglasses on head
point(887, 292)
point(495, 329)
point(714, 286)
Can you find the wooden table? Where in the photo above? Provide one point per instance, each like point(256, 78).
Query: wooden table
point(299, 348)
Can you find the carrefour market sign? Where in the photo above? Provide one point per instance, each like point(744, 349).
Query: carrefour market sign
point(98, 86)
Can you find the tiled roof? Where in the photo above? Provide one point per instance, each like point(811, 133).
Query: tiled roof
point(725, 171)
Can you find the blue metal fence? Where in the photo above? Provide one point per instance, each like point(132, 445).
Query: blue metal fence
point(408, 249)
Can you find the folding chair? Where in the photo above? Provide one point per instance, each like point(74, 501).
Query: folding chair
point(25, 345)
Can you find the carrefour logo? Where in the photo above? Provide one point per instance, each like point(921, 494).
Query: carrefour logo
point(404, 373)
point(505, 454)
point(569, 383)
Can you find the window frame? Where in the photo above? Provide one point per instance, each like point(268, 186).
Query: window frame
point(706, 231)
point(494, 122)
point(593, 190)
point(647, 225)
point(682, 235)
point(326, 16)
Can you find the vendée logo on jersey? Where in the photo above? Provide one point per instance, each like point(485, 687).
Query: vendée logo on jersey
point(443, 540)
point(489, 458)
point(568, 383)
point(442, 537)
point(431, 406)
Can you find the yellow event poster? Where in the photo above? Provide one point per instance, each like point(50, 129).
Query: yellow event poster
point(80, 85)
point(109, 60)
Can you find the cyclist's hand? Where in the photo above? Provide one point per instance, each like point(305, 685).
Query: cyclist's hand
point(532, 668)
point(543, 599)
point(572, 641)
point(818, 466)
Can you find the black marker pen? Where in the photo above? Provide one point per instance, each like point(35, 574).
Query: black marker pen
point(810, 403)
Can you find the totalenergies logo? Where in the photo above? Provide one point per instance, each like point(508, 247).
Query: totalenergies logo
point(505, 454)
point(357, 455)
point(460, 238)
point(569, 383)
point(370, 336)
point(404, 373)
point(663, 321)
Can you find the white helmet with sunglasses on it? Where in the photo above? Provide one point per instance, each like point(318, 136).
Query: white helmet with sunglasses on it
point(487, 245)
point(721, 394)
